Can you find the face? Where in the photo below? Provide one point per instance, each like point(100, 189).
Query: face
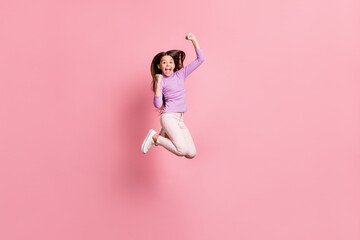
point(167, 65)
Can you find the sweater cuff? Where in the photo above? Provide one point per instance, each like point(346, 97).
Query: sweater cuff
point(158, 101)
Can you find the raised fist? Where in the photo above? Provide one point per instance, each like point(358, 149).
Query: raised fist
point(190, 36)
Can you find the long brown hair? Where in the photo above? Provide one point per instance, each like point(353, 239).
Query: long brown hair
point(177, 55)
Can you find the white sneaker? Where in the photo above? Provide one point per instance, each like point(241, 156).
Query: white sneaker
point(148, 142)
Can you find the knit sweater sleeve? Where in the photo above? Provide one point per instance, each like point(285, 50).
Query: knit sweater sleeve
point(185, 71)
point(158, 100)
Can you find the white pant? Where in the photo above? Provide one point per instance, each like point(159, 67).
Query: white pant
point(180, 141)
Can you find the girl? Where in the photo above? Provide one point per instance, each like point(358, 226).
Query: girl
point(168, 75)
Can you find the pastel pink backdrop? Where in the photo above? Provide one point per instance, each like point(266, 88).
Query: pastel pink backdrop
point(273, 110)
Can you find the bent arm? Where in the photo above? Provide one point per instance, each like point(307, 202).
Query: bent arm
point(158, 102)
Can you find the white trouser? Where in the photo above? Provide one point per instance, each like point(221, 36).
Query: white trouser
point(180, 141)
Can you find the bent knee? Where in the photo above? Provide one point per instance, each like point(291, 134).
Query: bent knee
point(191, 155)
point(184, 151)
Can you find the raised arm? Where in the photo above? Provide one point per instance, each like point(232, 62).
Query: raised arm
point(199, 56)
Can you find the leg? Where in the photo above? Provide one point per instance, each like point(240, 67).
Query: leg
point(161, 133)
point(189, 140)
point(176, 143)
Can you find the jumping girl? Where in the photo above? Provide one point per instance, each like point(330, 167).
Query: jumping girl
point(168, 74)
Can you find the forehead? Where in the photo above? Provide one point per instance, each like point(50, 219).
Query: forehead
point(166, 58)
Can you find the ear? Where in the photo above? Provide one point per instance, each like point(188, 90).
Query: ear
point(158, 66)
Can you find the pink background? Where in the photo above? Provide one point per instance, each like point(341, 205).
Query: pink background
point(274, 112)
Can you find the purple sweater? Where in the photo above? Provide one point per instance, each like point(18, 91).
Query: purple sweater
point(173, 87)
